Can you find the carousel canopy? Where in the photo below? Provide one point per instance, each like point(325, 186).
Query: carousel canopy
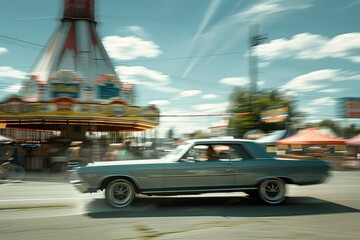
point(59, 113)
point(312, 136)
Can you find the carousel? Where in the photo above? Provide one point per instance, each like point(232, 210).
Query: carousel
point(73, 89)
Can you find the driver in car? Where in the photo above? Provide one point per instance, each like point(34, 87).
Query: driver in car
point(211, 154)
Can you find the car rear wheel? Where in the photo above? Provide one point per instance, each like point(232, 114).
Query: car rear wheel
point(119, 193)
point(272, 191)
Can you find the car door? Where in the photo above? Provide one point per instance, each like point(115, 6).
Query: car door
point(193, 171)
point(247, 167)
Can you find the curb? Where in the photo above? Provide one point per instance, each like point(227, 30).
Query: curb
point(46, 177)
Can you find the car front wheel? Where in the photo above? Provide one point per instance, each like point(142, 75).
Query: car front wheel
point(119, 193)
point(272, 191)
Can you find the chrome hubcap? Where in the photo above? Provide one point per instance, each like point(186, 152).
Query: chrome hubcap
point(273, 191)
point(121, 192)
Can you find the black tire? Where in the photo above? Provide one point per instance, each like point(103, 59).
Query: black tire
point(272, 191)
point(16, 173)
point(119, 193)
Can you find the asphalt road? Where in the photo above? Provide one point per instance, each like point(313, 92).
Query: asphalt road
point(53, 209)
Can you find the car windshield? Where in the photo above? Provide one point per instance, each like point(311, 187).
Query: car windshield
point(177, 152)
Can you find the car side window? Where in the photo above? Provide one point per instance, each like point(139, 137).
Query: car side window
point(241, 151)
point(196, 153)
point(228, 152)
point(215, 152)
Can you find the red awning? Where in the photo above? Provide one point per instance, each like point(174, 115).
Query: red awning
point(354, 141)
point(312, 136)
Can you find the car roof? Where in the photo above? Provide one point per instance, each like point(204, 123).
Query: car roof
point(252, 147)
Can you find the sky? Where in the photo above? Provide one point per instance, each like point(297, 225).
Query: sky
point(187, 56)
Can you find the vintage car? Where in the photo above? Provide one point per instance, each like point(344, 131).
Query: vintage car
point(200, 166)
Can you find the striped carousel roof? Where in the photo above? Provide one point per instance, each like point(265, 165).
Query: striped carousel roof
point(75, 46)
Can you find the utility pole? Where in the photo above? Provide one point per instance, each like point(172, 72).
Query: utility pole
point(255, 39)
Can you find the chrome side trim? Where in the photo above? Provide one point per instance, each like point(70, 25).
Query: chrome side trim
point(192, 176)
point(199, 190)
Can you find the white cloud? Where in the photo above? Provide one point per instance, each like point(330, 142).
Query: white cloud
point(292, 94)
point(261, 83)
point(333, 90)
point(160, 87)
point(343, 46)
point(261, 9)
point(283, 48)
point(347, 75)
point(311, 81)
point(268, 8)
point(3, 50)
point(137, 30)
point(9, 72)
point(355, 59)
point(319, 79)
point(190, 93)
point(127, 48)
point(308, 110)
point(13, 88)
point(133, 73)
point(143, 76)
point(160, 102)
point(209, 96)
point(313, 46)
point(323, 101)
point(239, 81)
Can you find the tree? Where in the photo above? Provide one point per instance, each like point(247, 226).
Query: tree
point(248, 111)
point(331, 125)
point(198, 135)
point(345, 132)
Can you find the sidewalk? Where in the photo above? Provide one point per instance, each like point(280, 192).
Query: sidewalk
point(38, 190)
point(46, 177)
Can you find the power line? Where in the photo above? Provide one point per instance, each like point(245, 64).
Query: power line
point(22, 41)
point(26, 19)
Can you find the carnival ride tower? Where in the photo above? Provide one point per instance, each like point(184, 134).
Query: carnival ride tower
point(75, 46)
point(73, 87)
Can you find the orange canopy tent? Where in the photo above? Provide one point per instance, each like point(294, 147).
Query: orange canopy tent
point(311, 136)
point(354, 141)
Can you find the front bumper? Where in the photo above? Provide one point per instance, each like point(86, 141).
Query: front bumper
point(81, 185)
